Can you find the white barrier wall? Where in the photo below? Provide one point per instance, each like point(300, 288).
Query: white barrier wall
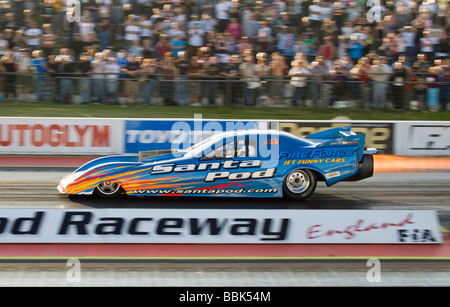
point(219, 226)
point(89, 136)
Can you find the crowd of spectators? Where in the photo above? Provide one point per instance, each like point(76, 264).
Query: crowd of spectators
point(321, 50)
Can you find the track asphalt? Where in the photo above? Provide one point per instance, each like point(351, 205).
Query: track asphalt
point(383, 163)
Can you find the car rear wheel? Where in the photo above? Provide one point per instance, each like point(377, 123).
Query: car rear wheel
point(299, 184)
point(108, 189)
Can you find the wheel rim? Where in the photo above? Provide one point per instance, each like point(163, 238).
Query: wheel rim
point(298, 181)
point(108, 187)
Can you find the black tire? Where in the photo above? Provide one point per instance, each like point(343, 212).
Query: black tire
point(108, 189)
point(299, 184)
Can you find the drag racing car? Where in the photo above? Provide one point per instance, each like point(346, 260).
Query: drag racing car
point(241, 163)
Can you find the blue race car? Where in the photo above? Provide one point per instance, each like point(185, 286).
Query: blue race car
point(243, 163)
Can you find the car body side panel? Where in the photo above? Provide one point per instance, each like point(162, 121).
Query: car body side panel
point(257, 176)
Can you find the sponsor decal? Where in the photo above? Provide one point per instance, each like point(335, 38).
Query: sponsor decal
point(204, 191)
point(333, 174)
point(62, 136)
point(319, 153)
point(54, 135)
point(422, 139)
point(223, 226)
point(229, 164)
point(314, 161)
point(213, 176)
point(143, 135)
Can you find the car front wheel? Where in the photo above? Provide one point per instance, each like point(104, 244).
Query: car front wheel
point(108, 189)
point(299, 184)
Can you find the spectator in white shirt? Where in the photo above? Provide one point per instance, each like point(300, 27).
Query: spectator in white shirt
point(33, 36)
point(132, 30)
point(222, 14)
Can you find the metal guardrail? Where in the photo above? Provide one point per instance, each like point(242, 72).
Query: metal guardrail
point(324, 91)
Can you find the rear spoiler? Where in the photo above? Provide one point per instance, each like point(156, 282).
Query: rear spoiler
point(342, 136)
point(332, 133)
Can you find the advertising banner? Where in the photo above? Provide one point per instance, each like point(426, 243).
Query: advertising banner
point(60, 136)
point(379, 135)
point(422, 138)
point(217, 226)
point(143, 135)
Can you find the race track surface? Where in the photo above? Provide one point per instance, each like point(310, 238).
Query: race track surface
point(386, 190)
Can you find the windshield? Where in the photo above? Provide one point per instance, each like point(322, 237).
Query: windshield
point(220, 146)
point(197, 150)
